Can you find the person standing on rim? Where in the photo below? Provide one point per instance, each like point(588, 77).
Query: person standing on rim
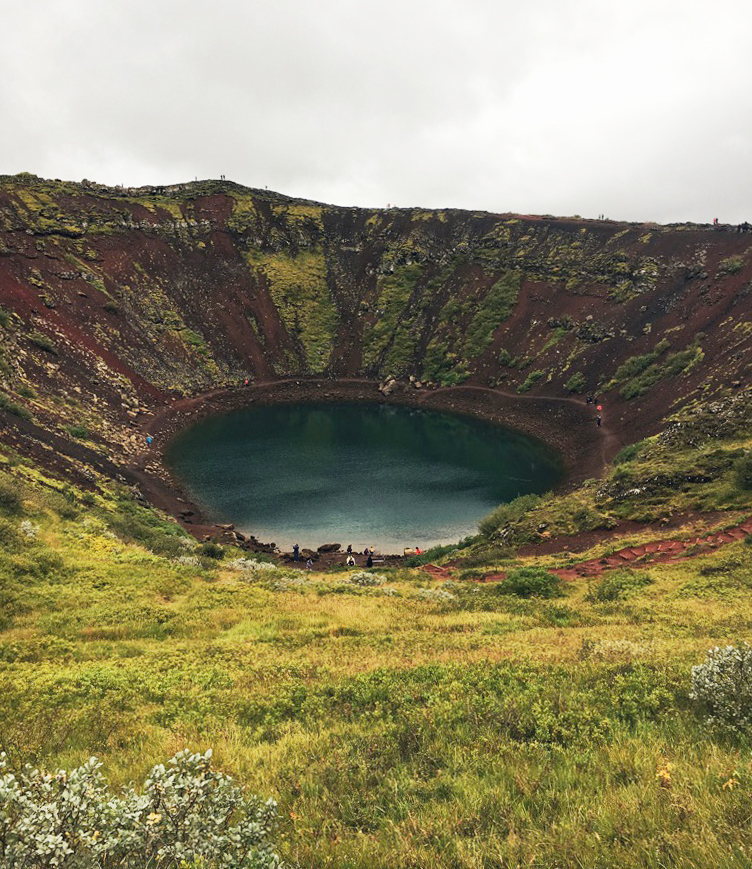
point(295, 552)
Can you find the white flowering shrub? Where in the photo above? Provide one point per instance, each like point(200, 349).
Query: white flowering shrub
point(187, 561)
point(291, 583)
point(724, 684)
point(367, 579)
point(186, 814)
point(250, 569)
point(29, 530)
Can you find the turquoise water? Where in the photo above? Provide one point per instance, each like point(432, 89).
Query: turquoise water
point(362, 474)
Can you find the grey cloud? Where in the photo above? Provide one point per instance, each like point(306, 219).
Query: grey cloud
point(557, 106)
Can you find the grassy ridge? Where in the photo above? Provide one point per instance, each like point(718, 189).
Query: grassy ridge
point(404, 723)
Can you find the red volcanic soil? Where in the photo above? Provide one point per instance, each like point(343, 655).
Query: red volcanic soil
point(138, 311)
point(662, 550)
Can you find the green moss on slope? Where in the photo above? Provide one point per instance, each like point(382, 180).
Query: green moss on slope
point(299, 289)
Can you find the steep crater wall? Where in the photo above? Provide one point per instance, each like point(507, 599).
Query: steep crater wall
point(117, 304)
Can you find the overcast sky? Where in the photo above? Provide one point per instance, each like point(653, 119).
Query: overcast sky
point(641, 110)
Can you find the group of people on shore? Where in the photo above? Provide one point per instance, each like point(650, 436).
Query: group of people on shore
point(350, 554)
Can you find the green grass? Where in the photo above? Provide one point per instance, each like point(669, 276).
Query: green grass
point(491, 312)
point(395, 727)
point(412, 722)
point(391, 333)
point(531, 380)
point(13, 407)
point(298, 286)
point(635, 365)
point(43, 343)
point(576, 383)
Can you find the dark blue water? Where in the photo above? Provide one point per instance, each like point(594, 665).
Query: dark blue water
point(363, 474)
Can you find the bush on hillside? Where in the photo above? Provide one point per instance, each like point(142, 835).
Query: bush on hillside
point(12, 407)
point(10, 499)
point(188, 814)
point(132, 522)
point(743, 472)
point(628, 453)
point(723, 684)
point(211, 550)
point(531, 582)
point(530, 381)
point(732, 265)
point(576, 383)
point(435, 552)
point(367, 579)
point(80, 432)
point(618, 584)
point(38, 339)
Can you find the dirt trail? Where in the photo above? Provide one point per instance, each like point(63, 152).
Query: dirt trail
point(666, 550)
point(609, 441)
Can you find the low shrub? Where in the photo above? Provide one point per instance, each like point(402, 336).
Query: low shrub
point(367, 579)
point(531, 582)
point(10, 497)
point(505, 514)
point(530, 380)
point(673, 365)
point(732, 265)
point(11, 407)
point(431, 554)
point(188, 814)
point(618, 584)
point(505, 359)
point(723, 684)
point(132, 522)
point(43, 342)
point(211, 550)
point(576, 383)
point(80, 432)
point(743, 472)
point(10, 537)
point(628, 453)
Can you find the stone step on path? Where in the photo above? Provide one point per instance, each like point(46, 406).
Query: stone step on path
point(436, 571)
point(726, 537)
point(737, 533)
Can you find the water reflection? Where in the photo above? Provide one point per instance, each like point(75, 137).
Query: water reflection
point(358, 474)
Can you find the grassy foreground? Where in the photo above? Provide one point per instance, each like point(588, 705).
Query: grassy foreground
point(398, 722)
